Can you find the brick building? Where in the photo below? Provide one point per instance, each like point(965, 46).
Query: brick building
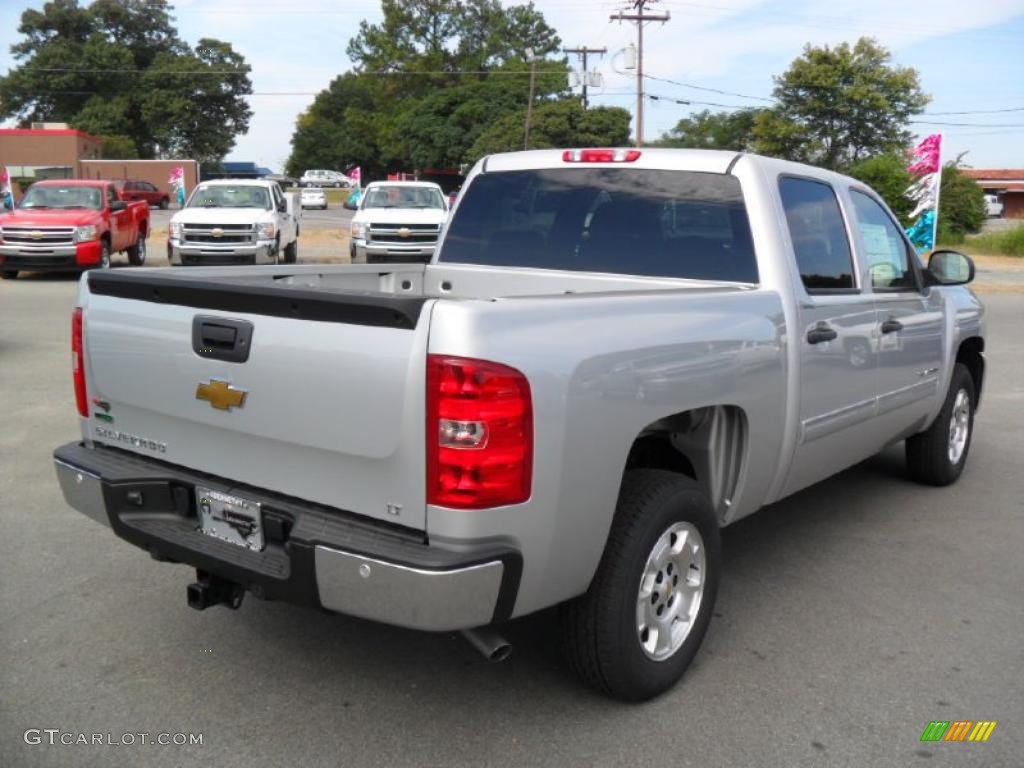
point(54, 151)
point(1006, 183)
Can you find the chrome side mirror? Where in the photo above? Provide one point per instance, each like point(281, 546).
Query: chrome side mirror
point(951, 268)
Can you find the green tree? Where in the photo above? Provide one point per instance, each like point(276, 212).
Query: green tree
point(118, 148)
point(888, 176)
point(562, 123)
point(836, 106)
point(961, 202)
point(712, 130)
point(427, 80)
point(118, 67)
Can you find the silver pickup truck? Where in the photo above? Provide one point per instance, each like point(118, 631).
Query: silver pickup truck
point(613, 354)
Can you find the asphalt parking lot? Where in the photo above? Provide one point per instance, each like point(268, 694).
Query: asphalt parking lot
point(849, 617)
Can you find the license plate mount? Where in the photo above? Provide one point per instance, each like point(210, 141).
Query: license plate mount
point(230, 518)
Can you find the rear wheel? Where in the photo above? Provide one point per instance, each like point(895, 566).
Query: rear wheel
point(137, 253)
point(638, 627)
point(937, 456)
point(8, 274)
point(165, 203)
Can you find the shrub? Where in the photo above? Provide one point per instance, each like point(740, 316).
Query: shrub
point(1008, 242)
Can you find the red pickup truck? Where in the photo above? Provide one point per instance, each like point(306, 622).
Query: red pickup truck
point(66, 225)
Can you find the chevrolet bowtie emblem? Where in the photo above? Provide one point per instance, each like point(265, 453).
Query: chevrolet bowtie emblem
point(217, 232)
point(404, 232)
point(221, 395)
point(35, 234)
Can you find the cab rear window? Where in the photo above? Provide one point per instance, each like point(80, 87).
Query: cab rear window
point(625, 221)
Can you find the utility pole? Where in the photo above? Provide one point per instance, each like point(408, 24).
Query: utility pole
point(640, 18)
point(582, 51)
point(529, 104)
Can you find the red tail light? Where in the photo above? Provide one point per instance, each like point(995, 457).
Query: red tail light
point(78, 362)
point(601, 155)
point(479, 434)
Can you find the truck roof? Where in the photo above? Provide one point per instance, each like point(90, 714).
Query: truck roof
point(653, 158)
point(237, 182)
point(403, 184)
point(71, 182)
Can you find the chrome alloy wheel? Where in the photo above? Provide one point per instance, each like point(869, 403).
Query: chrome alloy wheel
point(671, 589)
point(959, 426)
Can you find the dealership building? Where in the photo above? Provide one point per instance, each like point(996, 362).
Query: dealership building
point(54, 151)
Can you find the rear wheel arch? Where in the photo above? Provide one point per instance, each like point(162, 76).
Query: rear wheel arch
point(707, 444)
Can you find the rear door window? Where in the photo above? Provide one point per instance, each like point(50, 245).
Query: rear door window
point(627, 221)
point(816, 228)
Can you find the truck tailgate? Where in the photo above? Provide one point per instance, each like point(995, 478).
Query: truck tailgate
point(333, 409)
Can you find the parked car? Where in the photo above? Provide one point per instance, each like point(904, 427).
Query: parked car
point(453, 195)
point(613, 354)
point(235, 221)
point(70, 226)
point(993, 206)
point(397, 221)
point(324, 179)
point(314, 197)
point(143, 190)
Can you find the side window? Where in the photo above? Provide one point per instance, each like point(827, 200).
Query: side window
point(111, 194)
point(885, 250)
point(819, 238)
point(278, 197)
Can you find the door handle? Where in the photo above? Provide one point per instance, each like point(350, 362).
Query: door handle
point(821, 333)
point(891, 326)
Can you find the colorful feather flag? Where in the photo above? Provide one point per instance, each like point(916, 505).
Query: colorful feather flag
point(356, 176)
point(926, 168)
point(6, 196)
point(177, 182)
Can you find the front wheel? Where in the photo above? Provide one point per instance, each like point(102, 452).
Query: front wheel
point(165, 203)
point(137, 253)
point(104, 262)
point(291, 252)
point(638, 627)
point(937, 456)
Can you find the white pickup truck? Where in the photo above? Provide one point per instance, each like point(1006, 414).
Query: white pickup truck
point(397, 221)
point(613, 354)
point(235, 221)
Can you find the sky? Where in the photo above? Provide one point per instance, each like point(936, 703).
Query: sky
point(969, 54)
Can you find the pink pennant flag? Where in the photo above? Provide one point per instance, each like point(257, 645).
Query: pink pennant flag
point(925, 156)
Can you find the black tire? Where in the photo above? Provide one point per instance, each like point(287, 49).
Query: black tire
point(352, 254)
point(291, 252)
point(599, 629)
point(137, 253)
point(928, 453)
point(8, 274)
point(104, 256)
point(165, 203)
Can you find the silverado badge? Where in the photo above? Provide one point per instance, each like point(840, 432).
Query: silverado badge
point(221, 395)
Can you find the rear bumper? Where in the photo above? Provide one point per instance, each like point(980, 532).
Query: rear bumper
point(58, 258)
point(314, 555)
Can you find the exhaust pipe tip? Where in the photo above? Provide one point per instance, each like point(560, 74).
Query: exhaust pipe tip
point(491, 645)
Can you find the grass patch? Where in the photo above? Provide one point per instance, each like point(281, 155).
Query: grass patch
point(1008, 242)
